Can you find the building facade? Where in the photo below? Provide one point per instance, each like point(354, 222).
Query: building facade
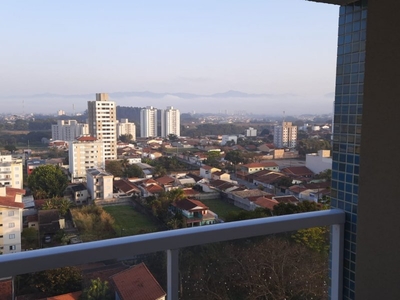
point(125, 127)
point(285, 135)
point(99, 184)
point(68, 130)
point(251, 132)
point(11, 172)
point(102, 123)
point(86, 152)
point(170, 122)
point(11, 208)
point(148, 122)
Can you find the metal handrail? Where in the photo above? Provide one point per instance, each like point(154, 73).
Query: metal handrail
point(173, 240)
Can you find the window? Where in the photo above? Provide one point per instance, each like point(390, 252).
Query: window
point(11, 225)
point(11, 236)
point(11, 213)
point(13, 247)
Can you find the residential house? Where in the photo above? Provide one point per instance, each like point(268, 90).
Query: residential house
point(269, 180)
point(206, 171)
point(78, 193)
point(135, 283)
point(125, 188)
point(50, 222)
point(32, 164)
point(219, 175)
point(195, 212)
point(300, 171)
point(149, 187)
point(167, 182)
point(254, 167)
point(99, 184)
point(241, 198)
point(11, 219)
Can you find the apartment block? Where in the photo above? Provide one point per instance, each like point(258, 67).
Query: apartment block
point(170, 122)
point(11, 207)
point(11, 172)
point(125, 127)
point(285, 135)
point(148, 122)
point(68, 130)
point(102, 123)
point(86, 152)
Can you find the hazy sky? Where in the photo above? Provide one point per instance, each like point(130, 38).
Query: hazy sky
point(282, 47)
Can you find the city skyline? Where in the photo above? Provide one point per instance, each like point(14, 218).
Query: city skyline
point(172, 47)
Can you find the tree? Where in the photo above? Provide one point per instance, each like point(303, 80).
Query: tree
point(173, 137)
point(235, 157)
point(47, 181)
point(213, 158)
point(114, 167)
point(10, 148)
point(126, 138)
point(62, 204)
point(133, 171)
point(98, 290)
point(51, 282)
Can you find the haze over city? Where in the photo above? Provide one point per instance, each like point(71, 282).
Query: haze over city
point(279, 55)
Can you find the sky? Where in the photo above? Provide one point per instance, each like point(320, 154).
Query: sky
point(66, 51)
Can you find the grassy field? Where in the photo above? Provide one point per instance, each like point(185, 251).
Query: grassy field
point(128, 221)
point(220, 207)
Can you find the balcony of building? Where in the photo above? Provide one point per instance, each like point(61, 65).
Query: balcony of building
point(174, 241)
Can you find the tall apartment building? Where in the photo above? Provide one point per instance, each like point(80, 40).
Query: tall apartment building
point(86, 152)
point(102, 123)
point(11, 172)
point(170, 122)
point(11, 207)
point(68, 130)
point(124, 127)
point(148, 122)
point(285, 135)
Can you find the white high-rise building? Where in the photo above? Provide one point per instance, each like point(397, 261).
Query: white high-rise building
point(124, 127)
point(102, 124)
point(86, 152)
point(170, 122)
point(251, 132)
point(285, 135)
point(148, 122)
point(68, 130)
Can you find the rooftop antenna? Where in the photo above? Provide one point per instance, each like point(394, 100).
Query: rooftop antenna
point(283, 116)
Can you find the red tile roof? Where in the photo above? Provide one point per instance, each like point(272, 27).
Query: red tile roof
point(286, 199)
point(137, 283)
point(154, 188)
point(69, 296)
point(165, 180)
point(126, 186)
point(190, 205)
point(9, 198)
point(5, 290)
point(266, 202)
point(299, 171)
point(86, 139)
point(261, 165)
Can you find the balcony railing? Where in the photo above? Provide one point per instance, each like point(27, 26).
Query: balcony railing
point(173, 240)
